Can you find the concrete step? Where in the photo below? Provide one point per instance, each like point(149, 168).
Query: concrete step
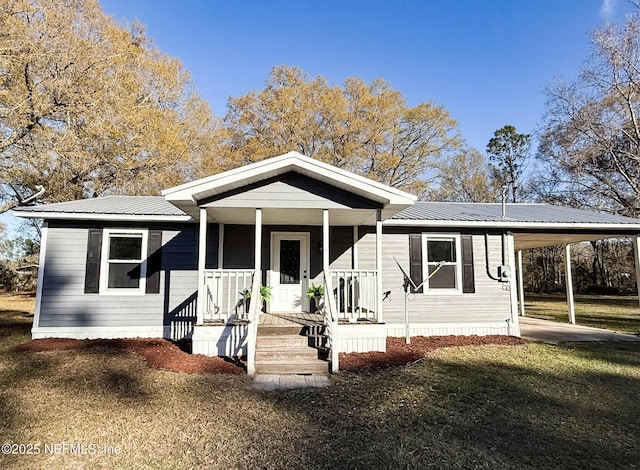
point(316, 367)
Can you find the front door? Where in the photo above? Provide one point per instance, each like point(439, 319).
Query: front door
point(289, 271)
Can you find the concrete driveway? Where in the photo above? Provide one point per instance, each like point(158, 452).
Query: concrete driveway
point(548, 331)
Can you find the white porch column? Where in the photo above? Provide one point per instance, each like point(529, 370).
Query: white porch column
point(636, 250)
point(202, 258)
point(379, 264)
point(325, 241)
point(220, 246)
point(568, 281)
point(520, 283)
point(258, 242)
point(355, 253)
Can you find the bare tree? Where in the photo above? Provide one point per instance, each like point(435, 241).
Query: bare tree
point(590, 143)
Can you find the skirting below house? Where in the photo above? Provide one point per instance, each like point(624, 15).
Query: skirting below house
point(361, 337)
point(445, 329)
point(223, 340)
point(95, 332)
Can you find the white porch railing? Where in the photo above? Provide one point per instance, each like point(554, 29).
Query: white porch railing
point(226, 294)
point(330, 323)
point(355, 293)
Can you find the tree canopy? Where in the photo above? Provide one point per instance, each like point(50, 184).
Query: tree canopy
point(508, 150)
point(590, 143)
point(365, 128)
point(90, 107)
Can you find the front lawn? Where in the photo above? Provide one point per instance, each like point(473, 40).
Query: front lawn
point(616, 313)
point(533, 406)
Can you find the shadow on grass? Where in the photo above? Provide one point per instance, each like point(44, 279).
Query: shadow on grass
point(447, 414)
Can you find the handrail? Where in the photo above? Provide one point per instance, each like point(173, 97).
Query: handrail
point(356, 293)
point(252, 328)
point(331, 322)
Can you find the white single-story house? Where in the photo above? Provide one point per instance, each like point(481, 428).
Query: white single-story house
point(187, 264)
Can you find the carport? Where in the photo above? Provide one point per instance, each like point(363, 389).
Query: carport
point(599, 227)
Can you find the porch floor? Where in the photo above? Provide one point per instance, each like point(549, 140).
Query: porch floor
point(291, 319)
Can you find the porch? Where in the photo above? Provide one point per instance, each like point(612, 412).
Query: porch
point(285, 225)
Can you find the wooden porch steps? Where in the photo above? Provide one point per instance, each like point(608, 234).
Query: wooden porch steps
point(289, 350)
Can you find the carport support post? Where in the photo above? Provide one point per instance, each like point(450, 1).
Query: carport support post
point(636, 250)
point(568, 281)
point(520, 283)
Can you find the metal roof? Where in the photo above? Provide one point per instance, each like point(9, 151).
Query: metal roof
point(108, 207)
point(515, 213)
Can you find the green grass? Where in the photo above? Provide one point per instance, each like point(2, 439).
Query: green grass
point(535, 406)
point(617, 313)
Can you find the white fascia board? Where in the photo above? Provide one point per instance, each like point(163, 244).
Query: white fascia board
point(104, 217)
point(509, 224)
point(282, 164)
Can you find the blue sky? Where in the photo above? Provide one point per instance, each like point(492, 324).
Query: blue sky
point(487, 62)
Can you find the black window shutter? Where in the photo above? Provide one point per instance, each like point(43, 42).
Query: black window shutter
point(92, 268)
point(415, 260)
point(154, 261)
point(468, 281)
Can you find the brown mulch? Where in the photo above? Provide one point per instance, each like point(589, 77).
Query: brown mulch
point(399, 353)
point(158, 354)
point(162, 354)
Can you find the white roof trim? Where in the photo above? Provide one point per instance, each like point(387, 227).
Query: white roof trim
point(511, 224)
point(291, 161)
point(105, 217)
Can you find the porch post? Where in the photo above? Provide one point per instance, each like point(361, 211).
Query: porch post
point(354, 252)
point(202, 258)
point(325, 241)
point(568, 281)
point(636, 250)
point(258, 242)
point(220, 246)
point(379, 264)
point(520, 283)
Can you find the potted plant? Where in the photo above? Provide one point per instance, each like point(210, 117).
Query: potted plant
point(316, 293)
point(265, 295)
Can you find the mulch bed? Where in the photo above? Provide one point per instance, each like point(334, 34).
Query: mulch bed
point(399, 353)
point(162, 354)
point(158, 354)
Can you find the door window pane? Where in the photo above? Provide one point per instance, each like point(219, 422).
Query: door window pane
point(289, 261)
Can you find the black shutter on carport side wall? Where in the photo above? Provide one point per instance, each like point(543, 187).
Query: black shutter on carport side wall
point(92, 269)
point(415, 260)
point(468, 281)
point(154, 261)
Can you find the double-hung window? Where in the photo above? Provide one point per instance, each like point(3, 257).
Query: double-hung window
point(123, 268)
point(441, 258)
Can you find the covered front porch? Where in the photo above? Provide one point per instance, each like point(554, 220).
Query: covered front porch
point(276, 262)
point(283, 226)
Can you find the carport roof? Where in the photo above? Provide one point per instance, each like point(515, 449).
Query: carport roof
point(514, 213)
point(533, 225)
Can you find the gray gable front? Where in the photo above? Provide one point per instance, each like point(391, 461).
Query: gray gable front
point(290, 190)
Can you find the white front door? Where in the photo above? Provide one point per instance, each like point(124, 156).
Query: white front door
point(289, 271)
